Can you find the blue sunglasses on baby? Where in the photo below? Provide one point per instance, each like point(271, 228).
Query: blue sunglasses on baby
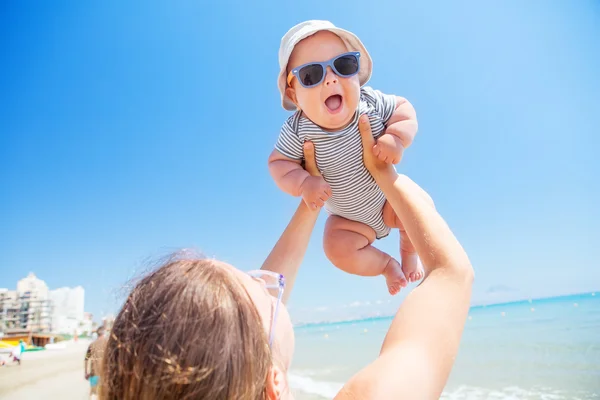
point(312, 74)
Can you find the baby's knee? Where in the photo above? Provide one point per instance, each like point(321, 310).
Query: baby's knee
point(343, 238)
point(334, 244)
point(335, 249)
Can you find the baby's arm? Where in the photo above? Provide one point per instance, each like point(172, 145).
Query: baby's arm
point(403, 123)
point(400, 133)
point(287, 173)
point(293, 179)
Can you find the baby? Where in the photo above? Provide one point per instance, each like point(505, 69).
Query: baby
point(323, 73)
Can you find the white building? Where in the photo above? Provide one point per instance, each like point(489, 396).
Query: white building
point(9, 308)
point(68, 309)
point(8, 295)
point(32, 285)
point(26, 309)
point(32, 307)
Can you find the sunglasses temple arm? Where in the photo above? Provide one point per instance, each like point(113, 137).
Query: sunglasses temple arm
point(273, 324)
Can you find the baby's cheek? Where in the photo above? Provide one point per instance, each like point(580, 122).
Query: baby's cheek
point(313, 100)
point(351, 102)
point(305, 96)
point(312, 107)
point(352, 91)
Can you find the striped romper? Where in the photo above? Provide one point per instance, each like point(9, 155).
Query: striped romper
point(354, 193)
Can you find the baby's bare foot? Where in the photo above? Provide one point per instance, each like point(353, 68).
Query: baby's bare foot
point(394, 277)
point(412, 268)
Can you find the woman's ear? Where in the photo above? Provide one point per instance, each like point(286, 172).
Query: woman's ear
point(275, 383)
point(290, 92)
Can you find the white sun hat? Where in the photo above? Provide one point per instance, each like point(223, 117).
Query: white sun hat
point(306, 29)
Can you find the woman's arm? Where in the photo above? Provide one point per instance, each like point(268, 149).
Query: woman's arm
point(288, 252)
point(420, 347)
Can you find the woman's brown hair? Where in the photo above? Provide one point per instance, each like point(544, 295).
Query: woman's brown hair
point(188, 330)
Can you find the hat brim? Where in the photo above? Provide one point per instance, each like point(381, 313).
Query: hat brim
point(351, 41)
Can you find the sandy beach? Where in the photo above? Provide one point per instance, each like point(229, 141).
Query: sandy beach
point(49, 374)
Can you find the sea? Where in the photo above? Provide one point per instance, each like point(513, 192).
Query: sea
point(545, 349)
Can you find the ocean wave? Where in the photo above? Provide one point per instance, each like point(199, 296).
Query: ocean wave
point(308, 385)
point(328, 390)
point(516, 393)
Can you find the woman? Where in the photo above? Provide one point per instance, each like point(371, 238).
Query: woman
point(201, 329)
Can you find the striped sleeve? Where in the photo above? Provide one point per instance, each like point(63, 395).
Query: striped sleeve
point(288, 142)
point(384, 104)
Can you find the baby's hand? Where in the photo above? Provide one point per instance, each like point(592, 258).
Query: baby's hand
point(388, 149)
point(315, 191)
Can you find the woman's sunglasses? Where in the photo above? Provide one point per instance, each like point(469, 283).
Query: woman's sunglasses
point(312, 74)
point(273, 281)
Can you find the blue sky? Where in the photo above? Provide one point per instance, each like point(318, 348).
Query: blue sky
point(131, 129)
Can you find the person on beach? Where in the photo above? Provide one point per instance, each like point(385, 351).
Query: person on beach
point(93, 361)
point(15, 354)
point(323, 75)
point(202, 329)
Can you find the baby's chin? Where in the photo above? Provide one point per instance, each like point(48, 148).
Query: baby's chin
point(336, 121)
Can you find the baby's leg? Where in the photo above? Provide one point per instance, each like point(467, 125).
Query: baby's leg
point(347, 244)
point(408, 255)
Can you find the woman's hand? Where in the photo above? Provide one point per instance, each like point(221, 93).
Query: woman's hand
point(378, 168)
point(310, 161)
point(315, 191)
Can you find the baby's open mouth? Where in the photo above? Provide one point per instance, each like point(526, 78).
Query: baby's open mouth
point(333, 103)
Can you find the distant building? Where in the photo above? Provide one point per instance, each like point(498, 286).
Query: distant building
point(27, 308)
point(9, 307)
point(7, 295)
point(35, 308)
point(37, 288)
point(68, 306)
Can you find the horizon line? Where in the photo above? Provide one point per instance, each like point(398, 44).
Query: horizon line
point(389, 316)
